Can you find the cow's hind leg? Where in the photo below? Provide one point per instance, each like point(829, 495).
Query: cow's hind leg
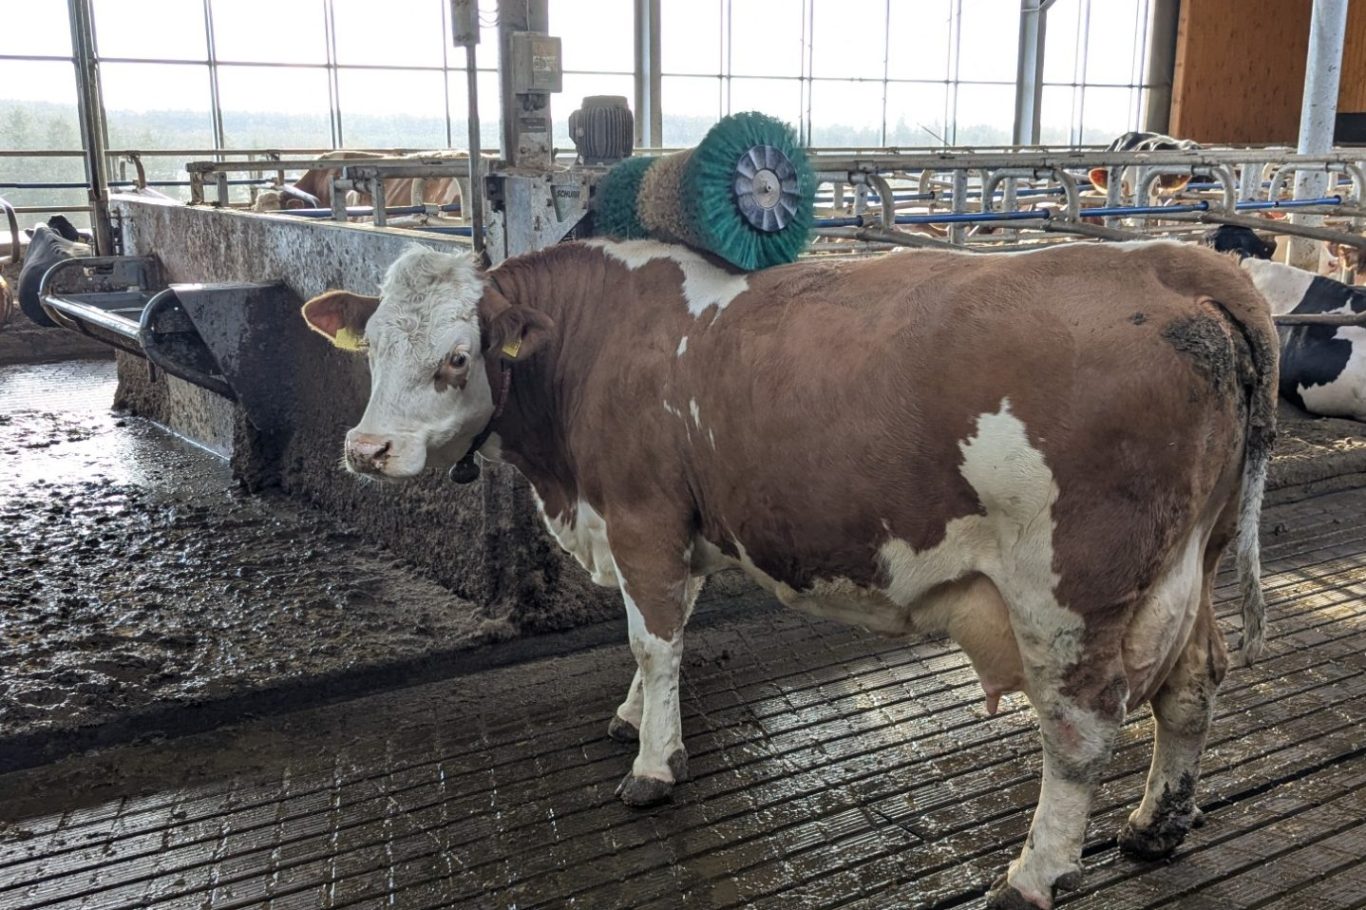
point(1182, 708)
point(659, 592)
point(624, 726)
point(1080, 699)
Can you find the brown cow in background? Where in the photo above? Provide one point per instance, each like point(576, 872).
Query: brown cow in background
point(313, 189)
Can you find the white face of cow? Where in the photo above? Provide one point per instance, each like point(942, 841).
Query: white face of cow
point(424, 340)
point(429, 388)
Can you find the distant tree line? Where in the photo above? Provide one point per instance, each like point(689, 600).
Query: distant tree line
point(39, 125)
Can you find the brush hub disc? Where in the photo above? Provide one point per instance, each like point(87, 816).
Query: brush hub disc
point(766, 188)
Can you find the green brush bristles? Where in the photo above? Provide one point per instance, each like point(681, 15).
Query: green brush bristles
point(711, 206)
point(691, 197)
point(614, 203)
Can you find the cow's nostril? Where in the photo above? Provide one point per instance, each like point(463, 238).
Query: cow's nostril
point(368, 452)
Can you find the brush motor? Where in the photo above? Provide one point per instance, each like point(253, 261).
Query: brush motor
point(603, 129)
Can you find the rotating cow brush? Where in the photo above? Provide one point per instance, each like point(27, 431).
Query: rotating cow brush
point(745, 193)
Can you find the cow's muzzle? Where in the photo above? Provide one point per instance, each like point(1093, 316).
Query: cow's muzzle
point(367, 453)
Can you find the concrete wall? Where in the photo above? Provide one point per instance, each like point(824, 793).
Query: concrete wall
point(484, 541)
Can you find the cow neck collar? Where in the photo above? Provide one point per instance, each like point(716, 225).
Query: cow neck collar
point(466, 470)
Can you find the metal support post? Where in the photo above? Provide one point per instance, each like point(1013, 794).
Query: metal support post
point(465, 32)
point(1318, 112)
point(476, 181)
point(1161, 65)
point(649, 113)
point(1029, 71)
point(90, 108)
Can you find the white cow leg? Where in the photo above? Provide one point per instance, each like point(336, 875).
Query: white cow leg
point(1182, 708)
point(625, 724)
point(661, 760)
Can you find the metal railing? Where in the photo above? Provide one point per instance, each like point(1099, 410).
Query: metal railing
point(1004, 198)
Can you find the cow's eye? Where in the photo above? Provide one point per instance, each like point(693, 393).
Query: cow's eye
point(459, 360)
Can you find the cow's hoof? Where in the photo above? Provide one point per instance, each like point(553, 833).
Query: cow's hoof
point(649, 791)
point(1003, 896)
point(1158, 840)
point(1069, 881)
point(623, 731)
point(639, 792)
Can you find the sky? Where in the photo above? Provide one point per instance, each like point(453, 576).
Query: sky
point(763, 39)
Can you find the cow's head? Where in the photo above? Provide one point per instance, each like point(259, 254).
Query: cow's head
point(1240, 241)
point(435, 339)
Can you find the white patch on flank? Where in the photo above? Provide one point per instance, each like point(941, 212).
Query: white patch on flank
point(696, 416)
point(711, 437)
point(670, 409)
point(1283, 286)
point(1012, 544)
point(955, 587)
point(585, 539)
point(683, 346)
point(704, 285)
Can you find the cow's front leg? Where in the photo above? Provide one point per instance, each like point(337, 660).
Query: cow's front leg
point(659, 594)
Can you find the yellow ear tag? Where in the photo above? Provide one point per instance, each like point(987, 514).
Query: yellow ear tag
point(513, 348)
point(348, 340)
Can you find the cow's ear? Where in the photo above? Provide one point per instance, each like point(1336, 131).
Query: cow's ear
point(341, 316)
point(518, 332)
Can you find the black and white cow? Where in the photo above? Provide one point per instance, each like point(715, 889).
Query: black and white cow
point(50, 244)
point(1141, 141)
point(1229, 238)
point(1323, 367)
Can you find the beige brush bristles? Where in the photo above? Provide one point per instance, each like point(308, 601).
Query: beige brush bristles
point(662, 202)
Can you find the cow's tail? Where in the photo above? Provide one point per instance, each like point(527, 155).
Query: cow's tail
point(1260, 435)
point(1249, 550)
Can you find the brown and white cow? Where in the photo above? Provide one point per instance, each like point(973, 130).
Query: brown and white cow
point(1041, 455)
point(313, 189)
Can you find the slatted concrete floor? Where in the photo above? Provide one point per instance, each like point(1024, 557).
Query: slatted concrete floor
point(830, 769)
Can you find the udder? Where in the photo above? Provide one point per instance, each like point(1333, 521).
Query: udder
point(972, 613)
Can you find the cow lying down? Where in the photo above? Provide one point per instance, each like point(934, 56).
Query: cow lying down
point(1323, 367)
point(1042, 456)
